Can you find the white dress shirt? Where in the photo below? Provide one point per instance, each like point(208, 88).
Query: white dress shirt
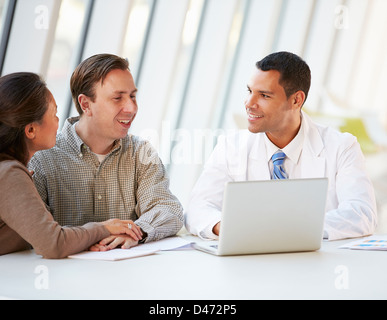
point(293, 153)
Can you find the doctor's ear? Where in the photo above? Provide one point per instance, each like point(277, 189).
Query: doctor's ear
point(299, 99)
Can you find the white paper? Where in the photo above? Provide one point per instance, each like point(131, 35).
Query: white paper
point(375, 243)
point(167, 244)
point(112, 255)
point(173, 243)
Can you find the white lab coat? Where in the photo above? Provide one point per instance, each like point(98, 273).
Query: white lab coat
point(351, 206)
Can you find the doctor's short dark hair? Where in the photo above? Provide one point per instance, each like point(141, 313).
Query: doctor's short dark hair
point(295, 73)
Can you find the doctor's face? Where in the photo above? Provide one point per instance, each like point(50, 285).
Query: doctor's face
point(268, 108)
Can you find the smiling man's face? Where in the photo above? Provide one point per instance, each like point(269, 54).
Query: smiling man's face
point(115, 105)
point(268, 108)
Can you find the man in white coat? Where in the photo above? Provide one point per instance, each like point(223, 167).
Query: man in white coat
point(276, 93)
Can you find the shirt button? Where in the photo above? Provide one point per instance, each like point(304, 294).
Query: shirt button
point(99, 197)
point(81, 155)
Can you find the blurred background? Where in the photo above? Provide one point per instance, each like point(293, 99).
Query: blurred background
point(191, 60)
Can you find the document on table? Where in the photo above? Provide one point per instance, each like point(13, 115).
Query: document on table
point(167, 244)
point(173, 243)
point(112, 255)
point(375, 243)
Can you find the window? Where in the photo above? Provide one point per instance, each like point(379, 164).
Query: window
point(64, 52)
point(191, 60)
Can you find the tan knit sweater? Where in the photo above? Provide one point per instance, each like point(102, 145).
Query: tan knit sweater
point(25, 221)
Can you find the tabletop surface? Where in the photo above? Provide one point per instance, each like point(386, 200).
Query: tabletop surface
point(330, 273)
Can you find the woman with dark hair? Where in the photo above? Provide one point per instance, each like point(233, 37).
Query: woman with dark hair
point(28, 123)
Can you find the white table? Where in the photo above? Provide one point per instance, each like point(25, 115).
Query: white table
point(330, 273)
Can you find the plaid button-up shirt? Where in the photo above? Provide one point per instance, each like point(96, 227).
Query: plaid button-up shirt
point(130, 184)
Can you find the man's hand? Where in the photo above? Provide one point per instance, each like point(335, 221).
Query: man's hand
point(128, 227)
point(113, 242)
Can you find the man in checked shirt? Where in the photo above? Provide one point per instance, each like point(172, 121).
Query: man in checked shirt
point(97, 171)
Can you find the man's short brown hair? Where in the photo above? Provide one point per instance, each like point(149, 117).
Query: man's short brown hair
point(92, 71)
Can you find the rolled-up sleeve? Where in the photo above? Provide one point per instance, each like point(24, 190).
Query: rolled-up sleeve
point(160, 212)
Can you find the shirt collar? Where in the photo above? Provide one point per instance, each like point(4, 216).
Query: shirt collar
point(71, 136)
point(292, 150)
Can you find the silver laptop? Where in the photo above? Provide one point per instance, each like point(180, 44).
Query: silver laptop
point(274, 216)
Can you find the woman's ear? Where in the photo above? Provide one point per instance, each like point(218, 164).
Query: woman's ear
point(30, 131)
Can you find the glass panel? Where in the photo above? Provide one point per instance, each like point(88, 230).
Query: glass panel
point(294, 26)
point(203, 84)
point(158, 71)
point(255, 42)
point(64, 53)
point(345, 61)
point(3, 12)
point(362, 92)
point(135, 33)
point(237, 33)
point(188, 41)
point(319, 47)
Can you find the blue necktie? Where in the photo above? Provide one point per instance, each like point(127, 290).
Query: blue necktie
point(278, 170)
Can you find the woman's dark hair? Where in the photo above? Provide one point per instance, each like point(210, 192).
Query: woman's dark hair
point(24, 99)
point(295, 73)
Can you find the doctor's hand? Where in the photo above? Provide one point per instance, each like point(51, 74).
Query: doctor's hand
point(216, 229)
point(113, 242)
